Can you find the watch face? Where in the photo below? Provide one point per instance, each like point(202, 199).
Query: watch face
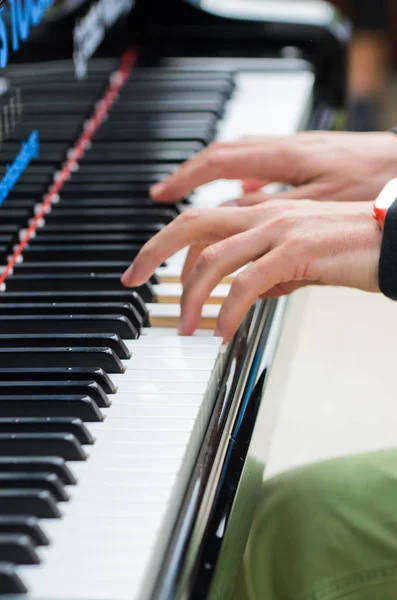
point(387, 196)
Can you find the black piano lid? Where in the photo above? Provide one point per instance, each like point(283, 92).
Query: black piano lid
point(321, 36)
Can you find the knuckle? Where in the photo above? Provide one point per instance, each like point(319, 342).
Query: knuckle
point(298, 252)
point(190, 216)
point(215, 157)
point(241, 284)
point(209, 257)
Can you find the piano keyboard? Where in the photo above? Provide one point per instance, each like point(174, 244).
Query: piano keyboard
point(101, 416)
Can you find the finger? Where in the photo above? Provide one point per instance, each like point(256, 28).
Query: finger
point(190, 227)
point(267, 272)
point(191, 259)
point(277, 160)
point(214, 263)
point(253, 185)
point(246, 200)
point(303, 192)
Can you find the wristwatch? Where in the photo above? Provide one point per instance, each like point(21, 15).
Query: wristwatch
point(384, 201)
point(385, 212)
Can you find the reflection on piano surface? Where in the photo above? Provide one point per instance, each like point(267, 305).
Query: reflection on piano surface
point(122, 445)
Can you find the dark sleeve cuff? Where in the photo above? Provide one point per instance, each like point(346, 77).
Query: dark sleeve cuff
point(388, 255)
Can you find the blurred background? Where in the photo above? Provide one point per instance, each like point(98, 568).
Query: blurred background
point(373, 58)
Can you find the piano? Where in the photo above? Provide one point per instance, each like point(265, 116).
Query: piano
point(130, 458)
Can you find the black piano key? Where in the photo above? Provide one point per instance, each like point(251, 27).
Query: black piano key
point(112, 215)
point(36, 323)
point(24, 525)
point(51, 131)
point(124, 296)
point(140, 148)
point(7, 240)
point(18, 549)
point(74, 266)
point(57, 388)
point(42, 481)
point(175, 73)
point(104, 340)
point(50, 152)
point(145, 176)
point(61, 374)
point(80, 407)
point(38, 503)
point(125, 201)
point(102, 155)
point(144, 119)
point(61, 108)
point(48, 425)
point(15, 216)
point(70, 239)
point(45, 358)
point(83, 252)
point(10, 583)
point(96, 88)
point(184, 84)
point(172, 103)
point(18, 202)
point(38, 464)
point(204, 134)
point(35, 189)
point(4, 253)
point(101, 229)
point(36, 170)
point(78, 308)
point(9, 229)
point(79, 283)
point(37, 444)
point(122, 172)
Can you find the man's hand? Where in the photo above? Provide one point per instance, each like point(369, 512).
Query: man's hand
point(288, 244)
point(319, 165)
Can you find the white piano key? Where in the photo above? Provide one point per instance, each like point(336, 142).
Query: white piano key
point(173, 311)
point(124, 461)
point(168, 337)
point(154, 352)
point(170, 409)
point(174, 291)
point(128, 388)
point(155, 363)
point(123, 428)
point(127, 402)
point(149, 333)
point(163, 376)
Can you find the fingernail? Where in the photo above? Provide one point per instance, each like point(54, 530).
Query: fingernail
point(126, 278)
point(157, 190)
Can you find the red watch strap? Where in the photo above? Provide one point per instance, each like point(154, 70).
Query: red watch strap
point(380, 215)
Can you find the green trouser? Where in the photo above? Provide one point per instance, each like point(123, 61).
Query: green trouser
point(326, 532)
